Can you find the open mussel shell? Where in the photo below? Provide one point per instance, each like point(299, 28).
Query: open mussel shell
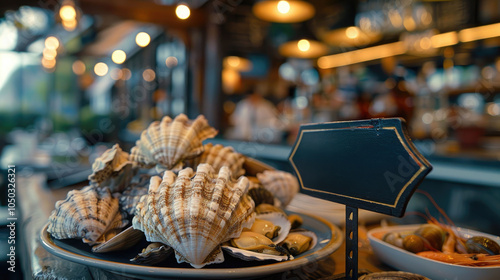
point(123, 240)
point(278, 220)
point(482, 245)
point(155, 253)
point(396, 275)
point(299, 241)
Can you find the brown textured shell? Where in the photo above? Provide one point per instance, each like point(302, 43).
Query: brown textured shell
point(283, 185)
point(218, 156)
point(195, 212)
point(167, 142)
point(112, 169)
point(87, 213)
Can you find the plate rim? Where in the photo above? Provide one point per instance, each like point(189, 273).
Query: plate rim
point(141, 270)
point(414, 226)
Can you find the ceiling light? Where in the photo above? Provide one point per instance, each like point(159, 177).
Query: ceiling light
point(303, 49)
point(237, 63)
point(362, 55)
point(52, 43)
point(101, 69)
point(78, 67)
point(142, 39)
point(283, 11)
point(182, 11)
point(118, 56)
point(351, 36)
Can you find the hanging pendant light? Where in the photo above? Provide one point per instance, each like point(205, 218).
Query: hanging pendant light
point(303, 48)
point(283, 11)
point(351, 36)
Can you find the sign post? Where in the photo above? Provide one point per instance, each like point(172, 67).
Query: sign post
point(368, 164)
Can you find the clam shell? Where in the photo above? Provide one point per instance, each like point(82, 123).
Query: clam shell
point(283, 185)
point(195, 212)
point(167, 143)
point(314, 237)
point(87, 213)
point(253, 256)
point(153, 254)
point(278, 219)
point(218, 156)
point(121, 241)
point(112, 169)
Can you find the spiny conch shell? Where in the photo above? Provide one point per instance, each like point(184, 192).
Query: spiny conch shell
point(155, 253)
point(195, 212)
point(119, 241)
point(87, 213)
point(283, 185)
point(133, 193)
point(112, 169)
point(218, 156)
point(167, 143)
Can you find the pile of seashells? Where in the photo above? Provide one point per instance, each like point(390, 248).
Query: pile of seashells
point(186, 198)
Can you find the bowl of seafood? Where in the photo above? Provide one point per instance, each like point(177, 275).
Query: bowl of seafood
point(175, 207)
point(438, 251)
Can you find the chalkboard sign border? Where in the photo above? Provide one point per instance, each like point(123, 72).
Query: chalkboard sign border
point(396, 209)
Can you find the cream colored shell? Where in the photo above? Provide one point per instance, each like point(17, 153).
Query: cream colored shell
point(283, 185)
point(167, 142)
point(195, 212)
point(112, 169)
point(218, 156)
point(87, 213)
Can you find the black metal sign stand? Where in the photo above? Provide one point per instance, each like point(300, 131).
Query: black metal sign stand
point(368, 164)
point(351, 242)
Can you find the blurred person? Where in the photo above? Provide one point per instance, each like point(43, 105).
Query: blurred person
point(256, 119)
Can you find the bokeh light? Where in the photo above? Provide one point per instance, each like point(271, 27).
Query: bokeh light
point(283, 7)
point(303, 45)
point(149, 75)
point(182, 11)
point(118, 56)
point(142, 39)
point(101, 69)
point(78, 67)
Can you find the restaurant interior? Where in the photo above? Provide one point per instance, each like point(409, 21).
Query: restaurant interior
point(78, 76)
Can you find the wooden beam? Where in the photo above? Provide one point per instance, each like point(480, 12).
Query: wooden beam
point(145, 11)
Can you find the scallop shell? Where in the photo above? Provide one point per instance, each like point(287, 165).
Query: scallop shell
point(218, 156)
point(195, 212)
point(168, 142)
point(283, 185)
point(121, 241)
point(155, 253)
point(112, 169)
point(87, 213)
point(132, 194)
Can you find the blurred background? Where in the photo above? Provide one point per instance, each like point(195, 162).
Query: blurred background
point(76, 76)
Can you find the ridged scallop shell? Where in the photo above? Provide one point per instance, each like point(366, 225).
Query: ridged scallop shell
point(112, 169)
point(218, 156)
point(87, 213)
point(195, 212)
point(283, 185)
point(166, 143)
point(155, 253)
point(133, 193)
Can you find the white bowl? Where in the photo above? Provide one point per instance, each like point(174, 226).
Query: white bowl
point(406, 261)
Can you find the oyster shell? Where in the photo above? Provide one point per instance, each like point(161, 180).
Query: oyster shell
point(218, 156)
point(251, 246)
point(155, 253)
point(120, 241)
point(300, 240)
point(195, 212)
point(87, 213)
point(277, 219)
point(112, 169)
point(167, 143)
point(281, 184)
point(133, 193)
